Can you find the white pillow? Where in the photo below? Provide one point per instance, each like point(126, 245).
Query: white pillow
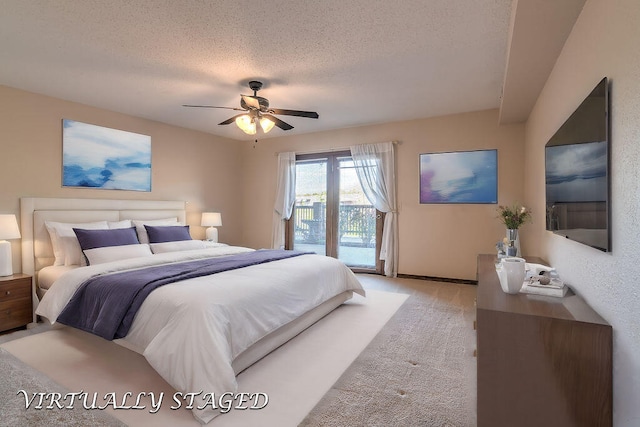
point(119, 224)
point(116, 253)
point(142, 232)
point(66, 248)
point(180, 245)
point(72, 250)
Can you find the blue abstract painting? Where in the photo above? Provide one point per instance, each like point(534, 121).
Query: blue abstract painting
point(99, 157)
point(459, 177)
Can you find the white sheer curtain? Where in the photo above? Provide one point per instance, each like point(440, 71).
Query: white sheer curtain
point(285, 197)
point(375, 166)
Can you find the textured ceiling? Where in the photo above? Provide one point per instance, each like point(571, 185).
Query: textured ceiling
point(355, 62)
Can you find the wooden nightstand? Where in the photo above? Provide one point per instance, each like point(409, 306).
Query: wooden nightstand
point(16, 309)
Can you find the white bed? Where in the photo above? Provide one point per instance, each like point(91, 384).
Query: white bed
point(248, 329)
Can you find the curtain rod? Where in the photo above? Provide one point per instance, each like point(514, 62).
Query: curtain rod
point(326, 150)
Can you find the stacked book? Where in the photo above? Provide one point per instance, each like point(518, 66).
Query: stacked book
point(543, 281)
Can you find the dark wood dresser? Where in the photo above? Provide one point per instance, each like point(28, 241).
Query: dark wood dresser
point(16, 308)
point(542, 361)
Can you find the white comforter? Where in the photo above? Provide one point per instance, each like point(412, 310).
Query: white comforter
point(191, 331)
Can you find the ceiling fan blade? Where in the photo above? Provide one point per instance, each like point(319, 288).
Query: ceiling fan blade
point(211, 106)
point(230, 120)
point(251, 101)
point(308, 114)
point(282, 125)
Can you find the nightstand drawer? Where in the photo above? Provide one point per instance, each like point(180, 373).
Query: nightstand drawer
point(19, 288)
point(15, 313)
point(16, 308)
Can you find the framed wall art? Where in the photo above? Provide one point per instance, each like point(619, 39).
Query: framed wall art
point(459, 177)
point(99, 157)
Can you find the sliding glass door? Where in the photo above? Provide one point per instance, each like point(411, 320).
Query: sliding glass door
point(310, 209)
point(332, 216)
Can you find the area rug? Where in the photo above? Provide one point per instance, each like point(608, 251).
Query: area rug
point(295, 376)
point(419, 371)
point(20, 382)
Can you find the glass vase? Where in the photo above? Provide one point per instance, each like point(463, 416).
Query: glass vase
point(512, 236)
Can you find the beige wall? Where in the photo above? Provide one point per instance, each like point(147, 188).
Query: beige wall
point(603, 43)
point(435, 240)
point(238, 178)
point(186, 165)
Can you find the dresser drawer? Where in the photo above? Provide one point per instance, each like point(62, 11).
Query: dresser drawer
point(15, 289)
point(15, 313)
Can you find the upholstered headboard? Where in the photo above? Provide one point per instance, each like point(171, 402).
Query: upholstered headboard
point(37, 252)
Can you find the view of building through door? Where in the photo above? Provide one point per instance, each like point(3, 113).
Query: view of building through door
point(332, 216)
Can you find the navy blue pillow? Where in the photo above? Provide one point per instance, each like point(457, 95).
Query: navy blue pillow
point(90, 239)
point(170, 233)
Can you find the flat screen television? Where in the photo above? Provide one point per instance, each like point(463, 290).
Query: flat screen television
point(577, 173)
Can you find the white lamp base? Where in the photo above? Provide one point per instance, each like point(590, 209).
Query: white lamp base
point(6, 264)
point(212, 234)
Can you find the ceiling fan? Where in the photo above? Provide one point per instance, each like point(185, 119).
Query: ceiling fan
point(256, 111)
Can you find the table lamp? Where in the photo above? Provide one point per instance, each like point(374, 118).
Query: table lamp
point(211, 220)
point(8, 230)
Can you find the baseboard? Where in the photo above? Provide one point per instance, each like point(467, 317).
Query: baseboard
point(438, 279)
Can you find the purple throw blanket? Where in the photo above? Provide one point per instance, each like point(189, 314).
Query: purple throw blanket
point(106, 305)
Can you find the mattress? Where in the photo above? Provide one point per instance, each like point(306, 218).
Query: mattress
point(50, 274)
point(200, 332)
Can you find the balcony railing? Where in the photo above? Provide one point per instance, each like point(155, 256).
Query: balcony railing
point(357, 224)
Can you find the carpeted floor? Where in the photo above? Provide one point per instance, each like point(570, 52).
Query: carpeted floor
point(418, 371)
point(19, 382)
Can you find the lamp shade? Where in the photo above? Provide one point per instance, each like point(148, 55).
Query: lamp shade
point(266, 124)
point(246, 123)
point(211, 219)
point(9, 227)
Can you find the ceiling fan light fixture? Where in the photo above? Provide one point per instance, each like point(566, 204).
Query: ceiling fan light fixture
point(256, 110)
point(246, 123)
point(266, 124)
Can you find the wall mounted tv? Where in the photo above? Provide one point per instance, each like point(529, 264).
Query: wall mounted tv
point(577, 175)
